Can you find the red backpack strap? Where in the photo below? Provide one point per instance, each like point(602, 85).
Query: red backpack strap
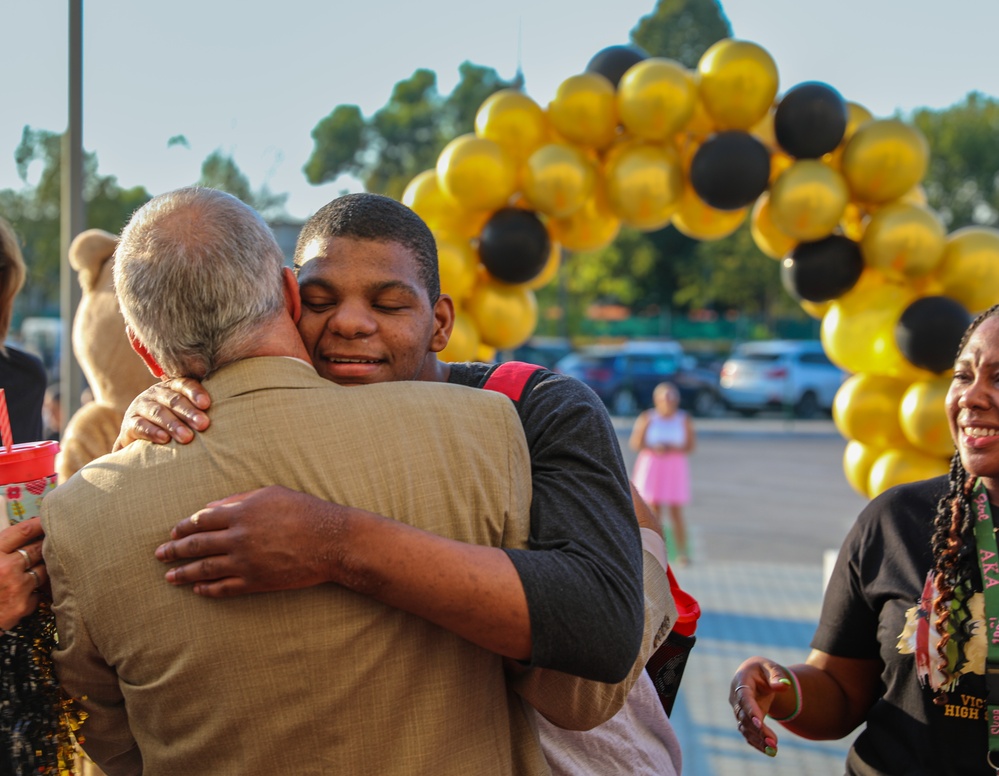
point(511, 378)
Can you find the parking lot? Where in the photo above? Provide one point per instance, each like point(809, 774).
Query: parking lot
point(769, 503)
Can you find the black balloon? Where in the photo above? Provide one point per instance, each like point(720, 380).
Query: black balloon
point(613, 62)
point(730, 170)
point(514, 245)
point(930, 330)
point(822, 270)
point(810, 120)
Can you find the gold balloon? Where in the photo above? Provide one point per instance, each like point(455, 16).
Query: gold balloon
point(817, 310)
point(485, 354)
point(475, 173)
point(464, 343)
point(779, 162)
point(924, 418)
point(858, 459)
point(458, 264)
point(899, 466)
point(590, 228)
point(558, 179)
point(763, 130)
point(853, 222)
point(768, 238)
point(969, 269)
point(701, 124)
point(424, 197)
point(738, 83)
point(903, 240)
point(866, 408)
point(856, 116)
point(915, 196)
point(884, 159)
point(584, 110)
point(644, 183)
point(505, 316)
point(550, 270)
point(656, 98)
point(858, 331)
point(808, 200)
point(700, 221)
point(514, 121)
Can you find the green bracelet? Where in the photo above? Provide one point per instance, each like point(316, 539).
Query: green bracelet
point(797, 697)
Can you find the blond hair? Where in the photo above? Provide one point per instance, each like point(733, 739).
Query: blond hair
point(12, 272)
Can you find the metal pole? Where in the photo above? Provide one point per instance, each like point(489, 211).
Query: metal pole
point(72, 214)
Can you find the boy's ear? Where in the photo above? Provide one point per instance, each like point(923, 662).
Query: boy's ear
point(443, 323)
point(144, 354)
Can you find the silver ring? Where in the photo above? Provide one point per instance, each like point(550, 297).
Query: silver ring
point(27, 558)
point(38, 582)
point(741, 686)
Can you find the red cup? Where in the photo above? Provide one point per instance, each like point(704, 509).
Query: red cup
point(27, 473)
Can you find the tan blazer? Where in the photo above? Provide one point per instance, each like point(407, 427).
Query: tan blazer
point(317, 681)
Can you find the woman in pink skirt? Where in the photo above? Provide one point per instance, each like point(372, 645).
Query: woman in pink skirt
point(663, 437)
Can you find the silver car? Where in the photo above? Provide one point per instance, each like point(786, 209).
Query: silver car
point(790, 375)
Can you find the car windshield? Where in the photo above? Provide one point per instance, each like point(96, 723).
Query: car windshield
point(762, 357)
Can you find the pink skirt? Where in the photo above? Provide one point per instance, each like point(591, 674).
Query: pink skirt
point(662, 478)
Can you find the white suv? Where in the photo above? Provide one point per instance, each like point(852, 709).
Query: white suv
point(780, 374)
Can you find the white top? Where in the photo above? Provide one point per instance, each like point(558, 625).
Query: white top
point(667, 431)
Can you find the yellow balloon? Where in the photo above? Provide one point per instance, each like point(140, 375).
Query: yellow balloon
point(584, 110)
point(505, 316)
point(550, 270)
point(808, 199)
point(858, 459)
point(856, 116)
point(485, 354)
point(738, 83)
point(656, 98)
point(866, 408)
point(969, 269)
point(858, 331)
point(899, 466)
point(458, 264)
point(903, 240)
point(701, 124)
point(424, 197)
point(915, 196)
point(854, 221)
point(696, 219)
point(884, 159)
point(763, 130)
point(590, 228)
point(475, 173)
point(558, 179)
point(924, 418)
point(464, 343)
point(514, 121)
point(779, 162)
point(817, 310)
point(768, 238)
point(644, 183)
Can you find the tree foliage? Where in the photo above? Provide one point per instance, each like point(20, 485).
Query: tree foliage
point(404, 137)
point(220, 171)
point(962, 182)
point(681, 29)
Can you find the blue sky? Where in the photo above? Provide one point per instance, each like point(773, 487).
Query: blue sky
point(253, 78)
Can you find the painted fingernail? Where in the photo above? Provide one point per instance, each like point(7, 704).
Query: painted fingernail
point(770, 752)
point(785, 680)
point(756, 723)
point(770, 741)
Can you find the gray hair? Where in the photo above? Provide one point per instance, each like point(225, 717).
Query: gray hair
point(197, 274)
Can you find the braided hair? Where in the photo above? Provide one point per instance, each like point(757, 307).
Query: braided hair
point(955, 565)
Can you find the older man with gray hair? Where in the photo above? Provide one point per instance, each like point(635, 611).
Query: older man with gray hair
point(307, 681)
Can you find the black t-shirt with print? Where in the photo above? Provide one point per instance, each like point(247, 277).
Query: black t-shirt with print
point(878, 578)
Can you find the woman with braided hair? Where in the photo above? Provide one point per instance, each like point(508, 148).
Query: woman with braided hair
point(904, 644)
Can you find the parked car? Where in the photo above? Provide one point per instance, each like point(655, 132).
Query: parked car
point(543, 351)
point(624, 376)
point(777, 374)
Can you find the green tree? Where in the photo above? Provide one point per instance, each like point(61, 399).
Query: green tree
point(404, 137)
point(34, 212)
point(962, 182)
point(220, 171)
point(682, 29)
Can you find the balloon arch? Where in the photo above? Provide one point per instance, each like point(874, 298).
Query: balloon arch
point(831, 193)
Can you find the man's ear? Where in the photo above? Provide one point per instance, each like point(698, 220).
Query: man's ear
point(292, 296)
point(443, 323)
point(145, 355)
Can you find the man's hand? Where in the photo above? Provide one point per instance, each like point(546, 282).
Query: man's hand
point(268, 539)
point(173, 409)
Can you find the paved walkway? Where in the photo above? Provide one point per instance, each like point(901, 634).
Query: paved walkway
point(770, 501)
